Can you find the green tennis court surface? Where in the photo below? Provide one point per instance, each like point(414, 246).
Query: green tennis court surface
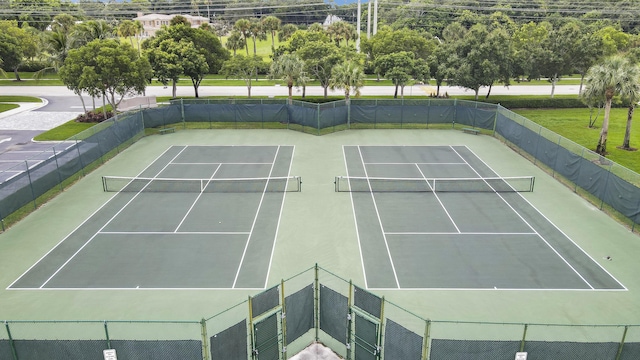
point(419, 228)
point(160, 231)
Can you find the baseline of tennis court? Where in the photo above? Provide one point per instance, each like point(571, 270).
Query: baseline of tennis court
point(172, 236)
point(461, 238)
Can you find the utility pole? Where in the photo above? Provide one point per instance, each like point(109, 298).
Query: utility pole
point(369, 19)
point(375, 17)
point(358, 26)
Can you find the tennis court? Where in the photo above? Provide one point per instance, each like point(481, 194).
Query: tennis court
point(198, 217)
point(438, 217)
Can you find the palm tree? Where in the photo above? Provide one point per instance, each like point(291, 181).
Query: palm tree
point(290, 69)
point(630, 93)
point(235, 42)
point(243, 26)
point(257, 33)
point(127, 29)
point(348, 76)
point(605, 81)
point(272, 25)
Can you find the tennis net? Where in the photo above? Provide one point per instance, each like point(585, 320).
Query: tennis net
point(234, 185)
point(491, 184)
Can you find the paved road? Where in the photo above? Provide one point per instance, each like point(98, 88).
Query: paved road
point(61, 91)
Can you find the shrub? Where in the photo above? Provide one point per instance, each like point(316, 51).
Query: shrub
point(93, 117)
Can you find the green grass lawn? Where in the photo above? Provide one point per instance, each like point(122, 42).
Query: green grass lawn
point(64, 131)
point(7, 107)
point(14, 99)
point(573, 124)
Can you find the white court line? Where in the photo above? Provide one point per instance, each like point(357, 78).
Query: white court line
point(174, 233)
point(105, 225)
point(353, 210)
point(132, 289)
point(458, 233)
point(529, 225)
point(427, 163)
point(555, 226)
point(496, 289)
point(81, 224)
point(255, 219)
point(439, 201)
point(224, 163)
point(375, 206)
point(196, 200)
point(275, 236)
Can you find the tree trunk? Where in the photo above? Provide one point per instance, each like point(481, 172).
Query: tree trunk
point(601, 148)
point(581, 82)
point(15, 71)
point(553, 84)
point(627, 131)
point(438, 90)
point(395, 93)
point(325, 92)
point(476, 90)
point(489, 91)
point(290, 86)
point(304, 91)
point(174, 89)
point(104, 106)
point(84, 107)
point(255, 49)
point(273, 42)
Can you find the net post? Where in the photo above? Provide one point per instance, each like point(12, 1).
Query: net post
point(14, 352)
point(621, 346)
point(379, 341)
point(205, 339)
point(106, 335)
point(524, 337)
point(427, 335)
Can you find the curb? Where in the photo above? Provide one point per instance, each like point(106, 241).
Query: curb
point(24, 107)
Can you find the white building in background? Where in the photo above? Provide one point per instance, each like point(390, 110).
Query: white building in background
point(154, 22)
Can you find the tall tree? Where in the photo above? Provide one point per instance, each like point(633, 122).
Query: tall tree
point(243, 26)
point(257, 33)
point(319, 58)
point(286, 31)
point(605, 81)
point(127, 29)
point(22, 44)
point(242, 67)
point(272, 25)
point(396, 67)
point(349, 77)
point(166, 63)
point(107, 67)
point(289, 68)
point(235, 42)
point(630, 93)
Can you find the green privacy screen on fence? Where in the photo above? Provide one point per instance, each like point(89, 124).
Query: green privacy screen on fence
point(605, 183)
point(322, 313)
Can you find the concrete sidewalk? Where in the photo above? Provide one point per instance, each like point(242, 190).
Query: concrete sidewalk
point(25, 118)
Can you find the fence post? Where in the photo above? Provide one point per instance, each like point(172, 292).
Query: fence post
point(316, 298)
point(379, 345)
point(254, 351)
point(624, 335)
point(106, 334)
point(284, 320)
point(205, 339)
point(524, 337)
point(495, 119)
point(182, 110)
point(33, 193)
point(427, 335)
point(350, 339)
point(14, 353)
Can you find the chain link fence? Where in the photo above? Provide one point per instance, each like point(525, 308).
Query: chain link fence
point(610, 186)
point(315, 306)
